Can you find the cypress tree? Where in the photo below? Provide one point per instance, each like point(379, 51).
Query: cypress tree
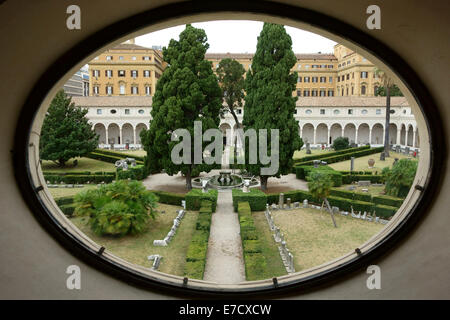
point(269, 103)
point(187, 91)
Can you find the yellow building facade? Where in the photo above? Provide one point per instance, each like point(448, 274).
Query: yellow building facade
point(126, 70)
point(132, 70)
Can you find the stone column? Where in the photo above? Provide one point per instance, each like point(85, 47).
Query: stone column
point(134, 135)
point(328, 136)
point(106, 134)
point(370, 135)
point(414, 139)
point(314, 135)
point(120, 135)
point(399, 131)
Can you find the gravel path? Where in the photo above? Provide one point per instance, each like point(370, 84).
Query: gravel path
point(224, 261)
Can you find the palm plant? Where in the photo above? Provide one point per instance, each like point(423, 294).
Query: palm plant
point(118, 208)
point(387, 82)
point(319, 185)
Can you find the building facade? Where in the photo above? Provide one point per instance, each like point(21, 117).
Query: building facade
point(132, 70)
point(119, 120)
point(126, 70)
point(78, 84)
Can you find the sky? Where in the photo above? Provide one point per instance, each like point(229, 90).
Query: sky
point(238, 36)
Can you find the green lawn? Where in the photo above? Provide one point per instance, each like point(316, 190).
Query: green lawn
point(137, 248)
point(373, 190)
point(65, 192)
point(84, 164)
point(275, 267)
point(362, 165)
point(139, 153)
point(313, 240)
point(302, 153)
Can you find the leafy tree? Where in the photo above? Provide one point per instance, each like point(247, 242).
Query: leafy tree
point(116, 209)
point(319, 185)
point(187, 91)
point(231, 80)
point(340, 143)
point(269, 103)
point(66, 133)
point(400, 178)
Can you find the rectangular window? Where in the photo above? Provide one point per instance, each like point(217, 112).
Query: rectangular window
point(148, 90)
point(306, 79)
point(350, 111)
point(378, 111)
point(109, 90)
point(342, 78)
point(299, 93)
point(134, 90)
point(322, 111)
point(306, 93)
point(96, 73)
point(348, 76)
point(120, 57)
point(330, 93)
point(121, 73)
point(299, 79)
point(314, 79)
point(364, 74)
point(96, 89)
point(108, 73)
point(295, 111)
point(322, 93)
point(109, 58)
point(134, 73)
point(146, 58)
point(122, 89)
point(323, 79)
point(146, 73)
point(127, 111)
point(99, 111)
point(330, 79)
point(157, 75)
point(314, 93)
point(330, 66)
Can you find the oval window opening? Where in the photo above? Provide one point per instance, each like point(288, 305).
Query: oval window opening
point(220, 222)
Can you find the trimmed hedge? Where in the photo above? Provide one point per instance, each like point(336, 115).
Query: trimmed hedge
point(119, 154)
point(347, 204)
point(169, 197)
point(197, 250)
point(64, 200)
point(342, 157)
point(79, 173)
point(351, 195)
point(385, 211)
point(349, 178)
point(68, 209)
point(134, 173)
point(256, 199)
point(79, 179)
point(387, 201)
point(328, 154)
point(302, 172)
point(295, 195)
point(254, 260)
point(195, 197)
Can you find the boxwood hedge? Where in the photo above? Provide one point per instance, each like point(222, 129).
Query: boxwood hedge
point(195, 197)
point(256, 199)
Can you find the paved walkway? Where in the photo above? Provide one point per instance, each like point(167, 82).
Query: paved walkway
point(224, 261)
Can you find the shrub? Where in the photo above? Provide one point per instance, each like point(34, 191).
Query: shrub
point(347, 204)
point(349, 178)
point(196, 196)
point(118, 208)
point(256, 199)
point(134, 173)
point(340, 143)
point(325, 155)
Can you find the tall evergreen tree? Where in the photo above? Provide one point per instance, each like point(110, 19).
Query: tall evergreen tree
point(66, 133)
point(269, 103)
point(187, 91)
